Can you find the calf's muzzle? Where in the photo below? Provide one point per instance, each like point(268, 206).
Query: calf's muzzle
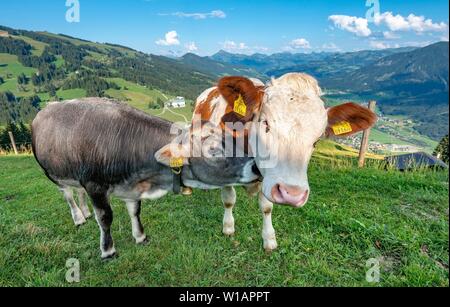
point(294, 196)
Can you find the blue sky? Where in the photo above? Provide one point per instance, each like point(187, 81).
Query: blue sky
point(246, 26)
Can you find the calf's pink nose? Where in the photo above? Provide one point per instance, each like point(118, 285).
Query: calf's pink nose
point(290, 195)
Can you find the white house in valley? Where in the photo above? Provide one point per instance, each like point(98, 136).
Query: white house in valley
point(178, 102)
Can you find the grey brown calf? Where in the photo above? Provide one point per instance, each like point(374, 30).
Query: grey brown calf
point(105, 147)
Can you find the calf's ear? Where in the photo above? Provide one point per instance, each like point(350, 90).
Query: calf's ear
point(244, 99)
point(173, 155)
point(349, 118)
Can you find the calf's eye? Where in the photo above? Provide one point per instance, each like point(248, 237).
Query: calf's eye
point(266, 125)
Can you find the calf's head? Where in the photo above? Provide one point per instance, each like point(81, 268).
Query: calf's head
point(280, 124)
point(287, 119)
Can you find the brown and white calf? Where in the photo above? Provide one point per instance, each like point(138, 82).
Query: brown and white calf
point(104, 147)
point(278, 126)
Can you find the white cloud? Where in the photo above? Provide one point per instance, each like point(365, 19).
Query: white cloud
point(412, 22)
point(171, 39)
point(330, 47)
point(382, 45)
point(191, 47)
point(390, 35)
point(394, 23)
point(300, 43)
point(212, 14)
point(355, 25)
point(233, 46)
point(378, 45)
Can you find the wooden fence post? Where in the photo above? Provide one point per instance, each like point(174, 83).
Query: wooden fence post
point(365, 138)
point(13, 142)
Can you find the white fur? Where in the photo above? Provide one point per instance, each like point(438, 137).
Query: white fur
point(139, 236)
point(247, 173)
point(229, 200)
point(297, 119)
point(109, 253)
point(268, 232)
point(154, 194)
point(82, 200)
point(77, 214)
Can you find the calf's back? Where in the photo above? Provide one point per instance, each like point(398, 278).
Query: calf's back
point(97, 140)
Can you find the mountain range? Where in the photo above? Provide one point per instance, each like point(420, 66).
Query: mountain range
point(406, 81)
point(410, 81)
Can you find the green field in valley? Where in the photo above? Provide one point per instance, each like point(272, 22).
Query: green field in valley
point(398, 219)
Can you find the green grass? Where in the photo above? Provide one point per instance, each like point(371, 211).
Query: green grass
point(79, 42)
point(353, 215)
point(9, 64)
point(385, 138)
point(38, 47)
point(138, 96)
point(174, 115)
point(10, 68)
point(71, 94)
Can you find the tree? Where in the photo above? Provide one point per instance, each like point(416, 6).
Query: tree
point(1, 81)
point(442, 150)
point(37, 79)
point(153, 105)
point(52, 91)
point(21, 132)
point(22, 79)
point(160, 103)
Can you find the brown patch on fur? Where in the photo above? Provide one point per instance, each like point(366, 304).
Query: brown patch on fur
point(204, 108)
point(166, 153)
point(267, 211)
point(230, 88)
point(253, 189)
point(143, 186)
point(228, 205)
point(360, 118)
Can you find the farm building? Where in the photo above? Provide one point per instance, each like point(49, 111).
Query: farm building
point(4, 33)
point(415, 160)
point(178, 102)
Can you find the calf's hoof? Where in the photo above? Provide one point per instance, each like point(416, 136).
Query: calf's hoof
point(79, 221)
point(87, 215)
point(109, 255)
point(270, 245)
point(142, 240)
point(186, 191)
point(228, 231)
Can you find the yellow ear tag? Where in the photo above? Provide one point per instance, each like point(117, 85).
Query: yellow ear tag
point(176, 162)
point(342, 128)
point(240, 107)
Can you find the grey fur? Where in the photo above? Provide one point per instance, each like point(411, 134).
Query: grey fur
point(107, 147)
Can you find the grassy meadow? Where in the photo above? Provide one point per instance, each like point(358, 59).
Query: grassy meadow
point(400, 219)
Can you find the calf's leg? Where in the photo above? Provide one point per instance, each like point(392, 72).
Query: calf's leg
point(134, 210)
point(77, 214)
point(268, 232)
point(82, 200)
point(229, 200)
point(104, 217)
